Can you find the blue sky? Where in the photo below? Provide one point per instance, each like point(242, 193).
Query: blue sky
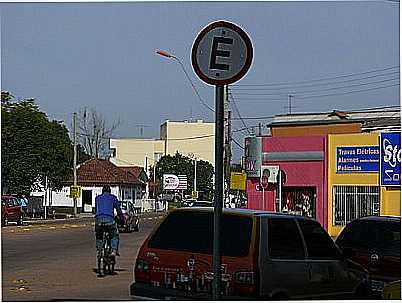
point(102, 55)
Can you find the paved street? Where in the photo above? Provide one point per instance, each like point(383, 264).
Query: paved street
point(56, 261)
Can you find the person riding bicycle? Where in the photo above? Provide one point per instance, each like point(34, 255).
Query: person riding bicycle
point(104, 219)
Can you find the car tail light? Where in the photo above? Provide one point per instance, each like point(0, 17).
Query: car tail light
point(245, 283)
point(141, 266)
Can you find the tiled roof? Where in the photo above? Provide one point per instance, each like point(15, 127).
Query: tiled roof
point(98, 171)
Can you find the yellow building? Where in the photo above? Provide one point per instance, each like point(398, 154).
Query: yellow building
point(354, 181)
point(194, 139)
point(133, 152)
point(191, 139)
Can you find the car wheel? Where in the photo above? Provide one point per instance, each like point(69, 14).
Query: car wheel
point(5, 221)
point(20, 221)
point(137, 227)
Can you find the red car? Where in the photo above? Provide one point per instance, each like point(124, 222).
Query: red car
point(375, 243)
point(11, 210)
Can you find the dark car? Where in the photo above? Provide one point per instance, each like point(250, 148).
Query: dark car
point(264, 256)
point(11, 210)
point(375, 243)
point(131, 220)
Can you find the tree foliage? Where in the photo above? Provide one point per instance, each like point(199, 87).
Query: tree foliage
point(94, 132)
point(32, 147)
point(182, 165)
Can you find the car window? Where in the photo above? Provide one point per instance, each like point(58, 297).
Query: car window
point(284, 240)
point(3, 201)
point(16, 202)
point(193, 232)
point(319, 244)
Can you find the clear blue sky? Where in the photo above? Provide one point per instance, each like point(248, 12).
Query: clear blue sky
point(102, 55)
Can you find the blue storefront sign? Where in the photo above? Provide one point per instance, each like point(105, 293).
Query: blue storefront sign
point(357, 159)
point(390, 144)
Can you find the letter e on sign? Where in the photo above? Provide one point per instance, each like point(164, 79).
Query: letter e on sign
point(222, 53)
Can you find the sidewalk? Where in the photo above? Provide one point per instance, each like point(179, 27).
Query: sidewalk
point(84, 217)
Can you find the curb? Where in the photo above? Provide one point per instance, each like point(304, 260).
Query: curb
point(150, 215)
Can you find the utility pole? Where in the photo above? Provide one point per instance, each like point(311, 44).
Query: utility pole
point(290, 104)
point(195, 174)
point(75, 158)
point(228, 139)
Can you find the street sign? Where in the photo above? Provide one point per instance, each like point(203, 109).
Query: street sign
point(238, 181)
point(75, 191)
point(222, 53)
point(390, 154)
point(170, 182)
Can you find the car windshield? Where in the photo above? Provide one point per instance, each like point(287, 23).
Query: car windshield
point(193, 232)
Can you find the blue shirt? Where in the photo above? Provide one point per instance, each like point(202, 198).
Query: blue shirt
point(105, 205)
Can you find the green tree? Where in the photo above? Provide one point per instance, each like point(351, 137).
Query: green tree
point(32, 148)
point(182, 165)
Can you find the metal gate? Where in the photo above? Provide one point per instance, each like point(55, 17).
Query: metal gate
point(352, 202)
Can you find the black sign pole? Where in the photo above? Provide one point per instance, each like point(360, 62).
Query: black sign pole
point(218, 199)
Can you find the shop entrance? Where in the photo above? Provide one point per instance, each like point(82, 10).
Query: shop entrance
point(299, 201)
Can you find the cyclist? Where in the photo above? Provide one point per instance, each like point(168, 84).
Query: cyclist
point(104, 220)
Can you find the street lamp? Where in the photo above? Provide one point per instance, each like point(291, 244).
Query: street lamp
point(170, 56)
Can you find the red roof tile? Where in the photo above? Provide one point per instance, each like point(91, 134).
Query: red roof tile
point(98, 171)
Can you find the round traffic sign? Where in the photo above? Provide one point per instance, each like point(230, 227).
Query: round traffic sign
point(222, 53)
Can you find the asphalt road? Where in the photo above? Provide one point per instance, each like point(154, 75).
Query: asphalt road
point(56, 262)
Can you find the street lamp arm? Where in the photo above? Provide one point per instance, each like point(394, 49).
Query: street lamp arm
point(168, 55)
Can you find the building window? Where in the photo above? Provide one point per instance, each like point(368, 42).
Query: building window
point(352, 202)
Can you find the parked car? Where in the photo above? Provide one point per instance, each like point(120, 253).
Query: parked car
point(196, 203)
point(131, 219)
point(375, 243)
point(264, 256)
point(11, 210)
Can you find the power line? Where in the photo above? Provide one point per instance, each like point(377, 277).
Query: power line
point(347, 93)
point(320, 90)
point(318, 80)
point(313, 85)
point(321, 96)
point(238, 113)
point(237, 143)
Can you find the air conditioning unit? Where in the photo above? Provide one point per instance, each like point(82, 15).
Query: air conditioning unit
point(271, 171)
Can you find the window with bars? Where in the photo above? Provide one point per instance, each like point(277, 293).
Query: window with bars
point(352, 202)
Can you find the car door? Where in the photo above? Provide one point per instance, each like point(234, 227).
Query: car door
point(282, 260)
point(327, 272)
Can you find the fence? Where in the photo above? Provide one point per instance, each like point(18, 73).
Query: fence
point(352, 202)
point(148, 205)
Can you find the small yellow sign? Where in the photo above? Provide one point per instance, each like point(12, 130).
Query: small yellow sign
point(75, 191)
point(194, 194)
point(238, 181)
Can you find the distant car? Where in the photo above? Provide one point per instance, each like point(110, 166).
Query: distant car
point(265, 256)
point(196, 203)
point(131, 220)
point(375, 243)
point(11, 211)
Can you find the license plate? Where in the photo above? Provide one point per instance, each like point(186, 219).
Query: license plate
point(377, 285)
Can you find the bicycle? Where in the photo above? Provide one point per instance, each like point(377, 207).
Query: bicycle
point(106, 262)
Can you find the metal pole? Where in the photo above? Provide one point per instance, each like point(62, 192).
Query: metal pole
point(280, 191)
point(219, 141)
point(75, 159)
point(46, 194)
point(195, 174)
